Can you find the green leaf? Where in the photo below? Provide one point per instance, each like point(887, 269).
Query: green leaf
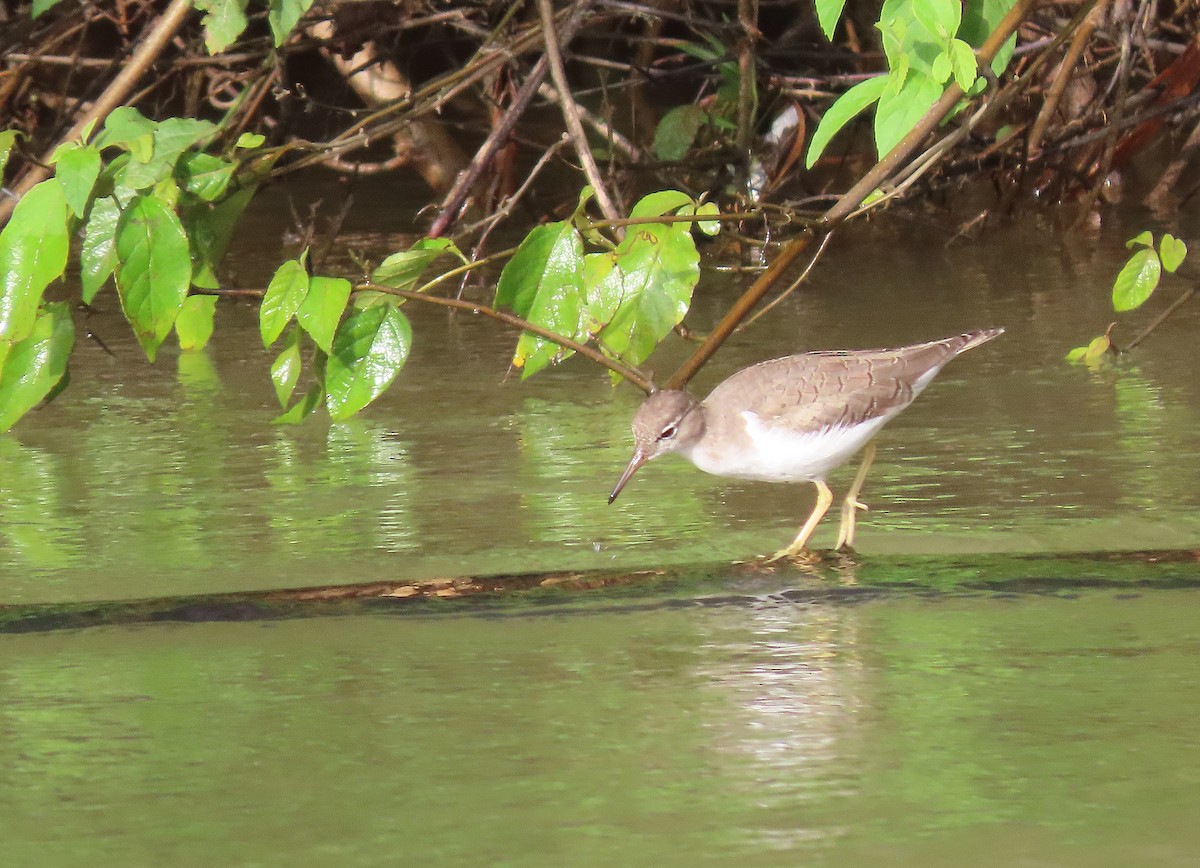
point(98, 253)
point(708, 227)
point(659, 203)
point(370, 348)
point(170, 139)
point(941, 69)
point(283, 16)
point(546, 253)
point(40, 7)
point(76, 168)
point(154, 270)
point(940, 17)
point(250, 141)
point(203, 175)
point(1172, 252)
point(303, 408)
point(542, 283)
point(1097, 349)
point(124, 126)
point(194, 325)
point(33, 253)
point(1077, 354)
point(844, 110)
point(657, 267)
point(402, 270)
point(285, 294)
point(1143, 239)
point(8, 139)
point(979, 19)
point(676, 132)
point(829, 12)
point(898, 114)
point(224, 21)
point(964, 63)
point(1137, 280)
point(322, 309)
point(37, 363)
point(285, 370)
point(210, 228)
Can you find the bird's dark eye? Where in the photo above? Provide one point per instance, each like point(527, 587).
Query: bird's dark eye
point(668, 433)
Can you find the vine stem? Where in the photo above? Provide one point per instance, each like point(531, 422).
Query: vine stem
point(631, 374)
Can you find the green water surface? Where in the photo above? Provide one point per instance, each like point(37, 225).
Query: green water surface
point(996, 711)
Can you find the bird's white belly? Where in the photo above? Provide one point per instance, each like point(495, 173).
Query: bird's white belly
point(780, 454)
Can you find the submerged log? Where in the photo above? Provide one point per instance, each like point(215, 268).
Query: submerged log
point(825, 578)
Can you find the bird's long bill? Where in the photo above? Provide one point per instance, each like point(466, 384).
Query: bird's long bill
point(638, 459)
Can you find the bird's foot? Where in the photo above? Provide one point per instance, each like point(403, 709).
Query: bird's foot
point(846, 529)
point(796, 554)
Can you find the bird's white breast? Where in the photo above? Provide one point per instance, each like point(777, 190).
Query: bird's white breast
point(781, 454)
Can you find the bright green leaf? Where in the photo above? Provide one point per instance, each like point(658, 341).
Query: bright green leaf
point(322, 309)
point(709, 227)
point(285, 293)
point(98, 253)
point(40, 7)
point(36, 364)
point(546, 258)
point(303, 408)
point(1077, 354)
point(194, 325)
point(123, 126)
point(1137, 280)
point(283, 16)
point(170, 139)
point(8, 139)
point(542, 283)
point(1143, 239)
point(250, 141)
point(1098, 348)
point(829, 12)
point(658, 267)
point(940, 17)
point(676, 132)
point(154, 270)
point(979, 19)
point(897, 115)
point(76, 168)
point(1172, 252)
point(203, 175)
point(370, 348)
point(224, 21)
point(844, 110)
point(33, 253)
point(285, 370)
point(402, 270)
point(659, 203)
point(964, 63)
point(941, 69)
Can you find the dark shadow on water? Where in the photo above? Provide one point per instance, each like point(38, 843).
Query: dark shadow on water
point(828, 579)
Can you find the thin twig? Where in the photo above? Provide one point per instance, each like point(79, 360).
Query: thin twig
point(631, 374)
point(570, 111)
point(453, 201)
point(154, 43)
point(1162, 317)
point(825, 239)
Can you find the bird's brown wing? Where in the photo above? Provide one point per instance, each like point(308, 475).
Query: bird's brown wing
point(819, 390)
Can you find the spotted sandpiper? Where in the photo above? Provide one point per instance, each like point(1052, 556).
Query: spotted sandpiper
point(794, 419)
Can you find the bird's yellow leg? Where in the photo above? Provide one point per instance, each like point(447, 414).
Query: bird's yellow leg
point(851, 505)
point(824, 500)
